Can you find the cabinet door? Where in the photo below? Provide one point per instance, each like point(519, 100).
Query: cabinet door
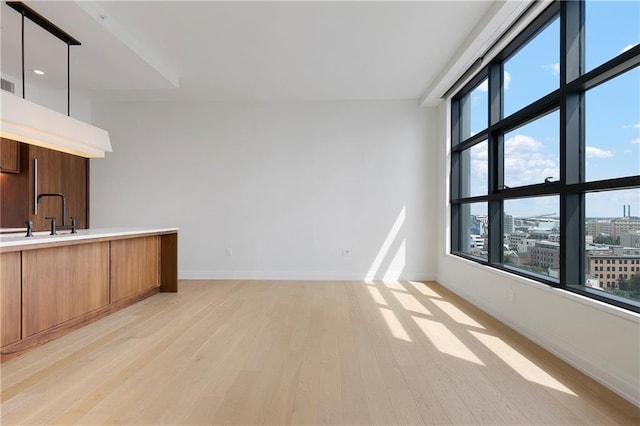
point(57, 172)
point(9, 156)
point(14, 193)
point(9, 297)
point(134, 266)
point(62, 283)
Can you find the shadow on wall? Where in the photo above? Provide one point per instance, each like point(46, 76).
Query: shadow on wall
point(385, 265)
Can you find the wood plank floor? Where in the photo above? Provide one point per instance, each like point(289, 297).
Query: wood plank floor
point(287, 352)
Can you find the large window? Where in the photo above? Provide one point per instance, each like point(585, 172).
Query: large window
point(545, 156)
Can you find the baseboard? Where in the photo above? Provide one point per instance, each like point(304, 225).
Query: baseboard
point(561, 349)
point(304, 275)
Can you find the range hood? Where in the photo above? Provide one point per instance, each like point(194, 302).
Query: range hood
point(25, 121)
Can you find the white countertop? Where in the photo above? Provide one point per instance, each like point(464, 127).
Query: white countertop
point(19, 239)
point(10, 230)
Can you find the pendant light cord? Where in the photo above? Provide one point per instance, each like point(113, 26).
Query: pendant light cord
point(22, 50)
point(68, 80)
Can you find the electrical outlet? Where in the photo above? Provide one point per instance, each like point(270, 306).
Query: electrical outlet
point(229, 251)
point(346, 252)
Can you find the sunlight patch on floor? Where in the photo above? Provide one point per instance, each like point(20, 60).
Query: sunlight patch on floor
point(456, 314)
point(397, 330)
point(519, 363)
point(445, 341)
point(424, 289)
point(377, 296)
point(386, 245)
point(393, 285)
point(410, 303)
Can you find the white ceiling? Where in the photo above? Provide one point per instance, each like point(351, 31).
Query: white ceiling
point(176, 50)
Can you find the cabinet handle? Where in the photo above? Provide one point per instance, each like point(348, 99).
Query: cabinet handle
point(35, 186)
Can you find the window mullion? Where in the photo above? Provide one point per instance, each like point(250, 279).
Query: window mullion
point(571, 145)
point(455, 123)
point(496, 163)
point(456, 227)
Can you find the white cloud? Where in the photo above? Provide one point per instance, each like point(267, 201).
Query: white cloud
point(479, 169)
point(479, 160)
point(627, 47)
point(521, 143)
point(593, 152)
point(627, 151)
point(636, 141)
point(484, 87)
point(554, 68)
point(631, 126)
point(524, 162)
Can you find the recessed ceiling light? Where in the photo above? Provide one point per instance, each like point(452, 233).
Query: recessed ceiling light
point(39, 72)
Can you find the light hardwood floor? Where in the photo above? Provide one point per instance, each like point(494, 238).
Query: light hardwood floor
point(290, 352)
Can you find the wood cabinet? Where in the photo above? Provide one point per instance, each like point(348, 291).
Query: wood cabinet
point(14, 192)
point(9, 298)
point(135, 266)
point(9, 156)
point(57, 172)
point(51, 287)
point(41, 170)
point(59, 284)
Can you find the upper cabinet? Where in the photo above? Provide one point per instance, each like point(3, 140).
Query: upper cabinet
point(9, 156)
point(44, 171)
point(14, 187)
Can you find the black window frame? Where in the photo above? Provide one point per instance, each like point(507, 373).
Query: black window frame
point(571, 187)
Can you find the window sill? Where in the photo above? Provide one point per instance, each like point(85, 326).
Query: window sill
point(583, 297)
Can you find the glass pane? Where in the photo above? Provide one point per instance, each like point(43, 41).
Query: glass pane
point(473, 181)
point(611, 27)
point(534, 71)
point(612, 128)
point(613, 242)
point(475, 111)
point(532, 152)
point(532, 235)
point(474, 229)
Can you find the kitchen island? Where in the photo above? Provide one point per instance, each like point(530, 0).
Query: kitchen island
point(53, 284)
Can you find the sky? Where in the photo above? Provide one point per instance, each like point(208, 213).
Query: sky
point(612, 133)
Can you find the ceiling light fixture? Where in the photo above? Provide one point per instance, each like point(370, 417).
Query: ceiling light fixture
point(39, 72)
point(24, 121)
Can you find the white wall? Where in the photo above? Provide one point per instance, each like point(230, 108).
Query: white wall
point(286, 186)
point(601, 340)
point(80, 106)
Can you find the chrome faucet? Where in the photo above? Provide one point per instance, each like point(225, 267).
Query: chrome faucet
point(64, 203)
point(53, 225)
point(29, 224)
